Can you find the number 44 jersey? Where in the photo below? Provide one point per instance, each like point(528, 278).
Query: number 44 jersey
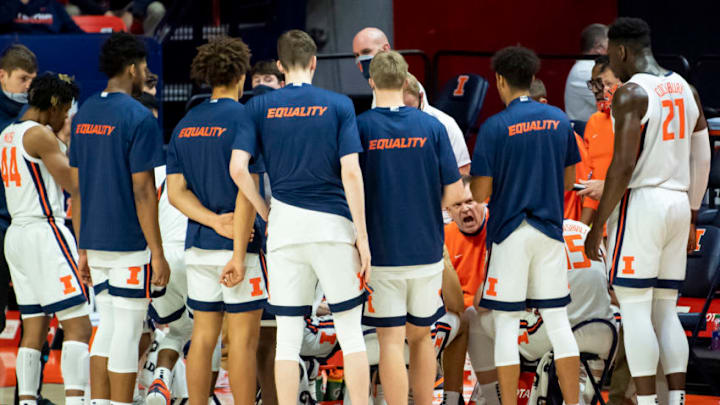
point(30, 190)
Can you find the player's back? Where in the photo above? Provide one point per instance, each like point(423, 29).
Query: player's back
point(31, 192)
point(672, 113)
point(525, 149)
point(407, 161)
point(303, 133)
point(588, 282)
point(200, 149)
point(113, 136)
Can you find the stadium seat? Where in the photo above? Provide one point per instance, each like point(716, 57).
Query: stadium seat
point(99, 23)
point(578, 127)
point(462, 98)
point(702, 281)
point(704, 75)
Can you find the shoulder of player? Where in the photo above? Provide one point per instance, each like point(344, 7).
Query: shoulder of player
point(630, 96)
point(38, 137)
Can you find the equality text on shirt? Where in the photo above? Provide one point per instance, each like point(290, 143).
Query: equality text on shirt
point(397, 143)
point(94, 129)
point(289, 112)
point(192, 132)
point(536, 125)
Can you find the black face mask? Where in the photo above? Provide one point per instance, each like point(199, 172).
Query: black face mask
point(261, 89)
point(364, 62)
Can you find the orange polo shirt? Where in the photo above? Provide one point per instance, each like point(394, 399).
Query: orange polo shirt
point(574, 202)
point(468, 254)
point(599, 141)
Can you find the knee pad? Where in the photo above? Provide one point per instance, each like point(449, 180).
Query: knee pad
point(671, 337)
point(179, 332)
point(128, 326)
point(480, 340)
point(289, 337)
point(507, 325)
point(28, 371)
point(103, 335)
point(641, 345)
point(559, 332)
point(348, 327)
point(75, 365)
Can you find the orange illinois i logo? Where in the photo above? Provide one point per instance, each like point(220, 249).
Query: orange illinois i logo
point(134, 271)
point(370, 305)
point(460, 89)
point(698, 235)
point(256, 290)
point(492, 282)
point(524, 338)
point(67, 283)
point(628, 267)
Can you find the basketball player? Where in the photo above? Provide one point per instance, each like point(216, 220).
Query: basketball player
point(199, 185)
point(47, 280)
point(403, 143)
point(590, 301)
point(527, 206)
point(115, 145)
point(653, 189)
point(309, 141)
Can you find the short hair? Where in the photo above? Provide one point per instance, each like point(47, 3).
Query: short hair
point(221, 62)
point(52, 89)
point(149, 101)
point(295, 48)
point(591, 36)
point(388, 70)
point(18, 56)
point(537, 89)
point(630, 31)
point(517, 65)
point(267, 67)
point(602, 62)
point(120, 51)
point(412, 85)
point(466, 179)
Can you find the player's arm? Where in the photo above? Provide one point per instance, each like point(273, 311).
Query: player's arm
point(452, 292)
point(187, 202)
point(629, 105)
point(699, 168)
point(146, 206)
point(569, 177)
point(246, 183)
point(355, 194)
point(481, 188)
point(243, 220)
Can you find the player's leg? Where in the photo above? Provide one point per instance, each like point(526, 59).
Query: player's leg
point(75, 363)
point(100, 350)
point(393, 374)
point(481, 337)
point(266, 364)
point(128, 317)
point(337, 267)
point(292, 282)
point(169, 351)
point(35, 329)
point(453, 359)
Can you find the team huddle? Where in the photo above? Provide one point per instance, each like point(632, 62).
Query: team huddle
point(289, 229)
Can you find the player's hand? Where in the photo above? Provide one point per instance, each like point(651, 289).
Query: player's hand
point(233, 272)
point(160, 271)
point(323, 309)
point(223, 225)
point(594, 189)
point(252, 234)
point(692, 239)
point(592, 243)
point(363, 247)
point(83, 267)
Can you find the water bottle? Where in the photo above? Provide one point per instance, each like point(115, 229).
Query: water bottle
point(715, 342)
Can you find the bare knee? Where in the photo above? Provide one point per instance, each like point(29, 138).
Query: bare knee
point(77, 329)
point(417, 334)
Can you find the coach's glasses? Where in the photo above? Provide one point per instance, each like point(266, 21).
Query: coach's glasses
point(595, 85)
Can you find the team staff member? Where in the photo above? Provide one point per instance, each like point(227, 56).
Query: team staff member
point(654, 187)
point(199, 185)
point(47, 278)
point(116, 144)
point(526, 190)
point(366, 44)
point(309, 141)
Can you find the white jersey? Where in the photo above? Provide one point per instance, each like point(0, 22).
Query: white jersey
point(173, 224)
point(588, 282)
point(668, 124)
point(30, 190)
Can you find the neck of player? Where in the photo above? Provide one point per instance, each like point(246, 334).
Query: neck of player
point(232, 92)
point(645, 63)
point(120, 84)
point(389, 98)
point(33, 114)
point(513, 94)
point(299, 76)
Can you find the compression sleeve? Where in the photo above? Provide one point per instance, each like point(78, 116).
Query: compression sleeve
point(699, 167)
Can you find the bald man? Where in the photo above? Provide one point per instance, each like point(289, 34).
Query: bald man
point(368, 42)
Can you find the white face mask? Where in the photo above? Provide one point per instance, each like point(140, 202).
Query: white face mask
point(21, 98)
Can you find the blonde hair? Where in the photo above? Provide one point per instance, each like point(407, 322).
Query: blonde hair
point(412, 86)
point(388, 70)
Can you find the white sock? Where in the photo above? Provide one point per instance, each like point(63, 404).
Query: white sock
point(120, 403)
point(451, 397)
point(99, 402)
point(74, 400)
point(491, 393)
point(164, 374)
point(28, 402)
point(647, 399)
point(676, 397)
